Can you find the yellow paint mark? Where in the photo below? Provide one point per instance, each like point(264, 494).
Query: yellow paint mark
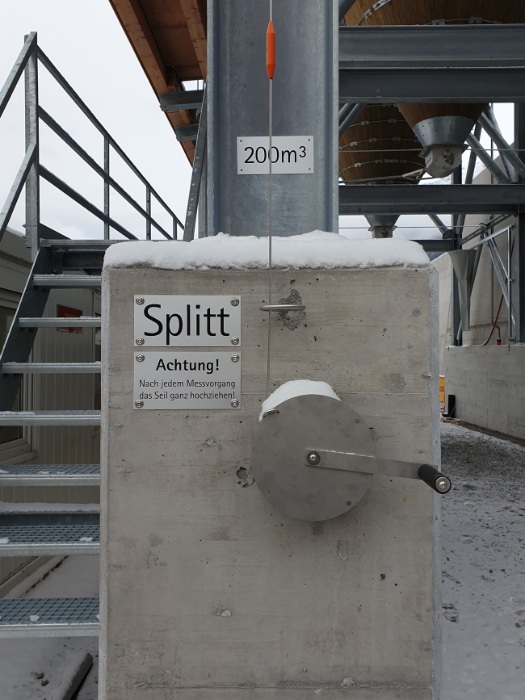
point(404, 500)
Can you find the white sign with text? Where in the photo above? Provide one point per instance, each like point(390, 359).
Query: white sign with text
point(165, 320)
point(186, 380)
point(290, 155)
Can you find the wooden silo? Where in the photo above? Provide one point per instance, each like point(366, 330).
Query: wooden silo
point(380, 148)
point(445, 124)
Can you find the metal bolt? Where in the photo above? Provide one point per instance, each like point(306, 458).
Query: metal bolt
point(443, 484)
point(313, 457)
point(139, 404)
point(139, 341)
point(234, 301)
point(235, 403)
point(140, 358)
point(139, 300)
point(234, 341)
point(236, 358)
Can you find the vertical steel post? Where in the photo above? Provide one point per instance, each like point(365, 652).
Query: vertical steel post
point(305, 103)
point(32, 138)
point(457, 335)
point(196, 175)
point(148, 212)
point(106, 188)
point(510, 333)
point(518, 255)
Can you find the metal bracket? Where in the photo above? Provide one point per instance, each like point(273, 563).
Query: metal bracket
point(283, 308)
point(368, 464)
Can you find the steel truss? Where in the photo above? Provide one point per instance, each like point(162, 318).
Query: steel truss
point(433, 64)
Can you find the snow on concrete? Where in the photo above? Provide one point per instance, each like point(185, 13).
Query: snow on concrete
point(483, 567)
point(314, 250)
point(297, 387)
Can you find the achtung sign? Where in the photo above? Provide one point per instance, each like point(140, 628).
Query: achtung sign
point(163, 320)
point(186, 380)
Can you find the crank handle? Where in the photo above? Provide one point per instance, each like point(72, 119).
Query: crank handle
point(434, 478)
point(368, 464)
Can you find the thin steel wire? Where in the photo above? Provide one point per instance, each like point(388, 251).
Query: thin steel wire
point(270, 222)
point(270, 229)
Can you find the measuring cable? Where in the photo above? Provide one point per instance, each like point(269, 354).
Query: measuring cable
point(270, 69)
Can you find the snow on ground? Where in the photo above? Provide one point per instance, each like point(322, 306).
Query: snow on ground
point(314, 250)
point(22, 659)
point(483, 583)
point(483, 567)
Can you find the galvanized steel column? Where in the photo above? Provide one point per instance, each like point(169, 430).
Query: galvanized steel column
point(518, 255)
point(305, 102)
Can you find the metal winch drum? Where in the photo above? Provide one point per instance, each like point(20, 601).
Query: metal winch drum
point(313, 458)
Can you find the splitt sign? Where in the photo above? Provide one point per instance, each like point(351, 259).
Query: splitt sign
point(191, 321)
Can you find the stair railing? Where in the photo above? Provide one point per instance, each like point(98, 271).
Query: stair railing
point(31, 170)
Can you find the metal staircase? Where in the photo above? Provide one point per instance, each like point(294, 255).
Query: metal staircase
point(33, 529)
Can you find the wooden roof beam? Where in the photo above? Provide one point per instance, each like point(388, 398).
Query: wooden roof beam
point(161, 77)
point(196, 22)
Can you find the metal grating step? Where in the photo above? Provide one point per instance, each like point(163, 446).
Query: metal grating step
point(49, 475)
point(57, 322)
point(49, 418)
point(75, 244)
point(49, 617)
point(67, 281)
point(48, 533)
point(51, 368)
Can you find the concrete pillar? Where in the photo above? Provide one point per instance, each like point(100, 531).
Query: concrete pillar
point(208, 592)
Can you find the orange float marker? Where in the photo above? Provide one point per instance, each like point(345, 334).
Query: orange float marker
point(270, 50)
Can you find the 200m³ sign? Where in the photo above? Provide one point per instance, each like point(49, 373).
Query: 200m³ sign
point(289, 155)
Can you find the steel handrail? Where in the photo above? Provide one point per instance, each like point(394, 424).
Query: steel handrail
point(68, 89)
point(17, 70)
point(31, 161)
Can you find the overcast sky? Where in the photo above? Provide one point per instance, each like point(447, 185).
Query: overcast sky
point(87, 44)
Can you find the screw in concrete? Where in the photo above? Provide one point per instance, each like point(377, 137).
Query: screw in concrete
point(139, 300)
point(139, 404)
point(236, 358)
point(139, 341)
point(235, 403)
point(140, 358)
point(234, 301)
point(234, 341)
point(313, 457)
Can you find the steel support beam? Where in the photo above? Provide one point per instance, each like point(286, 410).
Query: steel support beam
point(414, 63)
point(469, 177)
point(344, 6)
point(487, 160)
point(430, 199)
point(518, 254)
point(187, 132)
point(348, 114)
point(184, 99)
point(488, 122)
point(445, 231)
point(456, 325)
point(32, 140)
point(196, 175)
